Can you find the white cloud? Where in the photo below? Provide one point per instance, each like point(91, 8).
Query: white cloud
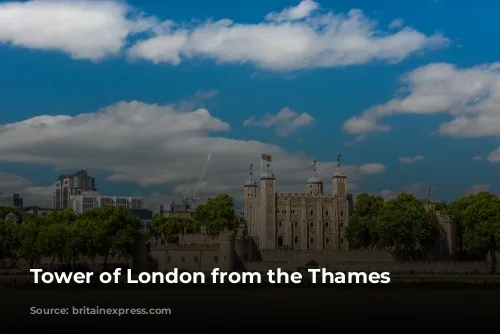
point(301, 11)
point(299, 37)
point(476, 188)
point(152, 145)
point(470, 95)
point(410, 160)
point(83, 29)
point(494, 155)
point(285, 121)
point(372, 169)
point(396, 24)
point(477, 158)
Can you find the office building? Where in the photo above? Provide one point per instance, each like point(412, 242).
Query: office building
point(69, 185)
point(14, 201)
point(89, 200)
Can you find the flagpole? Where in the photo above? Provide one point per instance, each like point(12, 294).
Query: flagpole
point(261, 166)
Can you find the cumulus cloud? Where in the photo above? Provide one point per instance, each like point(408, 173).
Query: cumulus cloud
point(32, 195)
point(372, 168)
point(153, 144)
point(301, 11)
point(476, 188)
point(469, 95)
point(83, 29)
point(396, 24)
point(411, 160)
point(494, 155)
point(285, 121)
point(299, 37)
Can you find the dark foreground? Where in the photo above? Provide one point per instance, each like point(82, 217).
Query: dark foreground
point(241, 308)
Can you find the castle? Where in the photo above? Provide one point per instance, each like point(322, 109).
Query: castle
point(308, 221)
point(293, 231)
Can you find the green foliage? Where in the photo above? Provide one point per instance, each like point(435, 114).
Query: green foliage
point(5, 210)
point(479, 220)
point(404, 225)
point(170, 227)
point(217, 214)
point(65, 236)
point(361, 230)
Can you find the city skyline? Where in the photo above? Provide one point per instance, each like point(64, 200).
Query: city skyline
point(140, 91)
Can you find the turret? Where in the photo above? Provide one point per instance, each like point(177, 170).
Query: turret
point(250, 204)
point(339, 181)
point(314, 183)
point(267, 209)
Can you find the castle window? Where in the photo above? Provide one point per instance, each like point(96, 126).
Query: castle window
point(296, 240)
point(341, 241)
point(326, 213)
point(196, 259)
point(312, 240)
point(296, 223)
point(326, 224)
point(279, 223)
point(183, 259)
point(327, 241)
point(215, 259)
point(341, 224)
point(280, 241)
point(311, 212)
point(341, 213)
point(312, 224)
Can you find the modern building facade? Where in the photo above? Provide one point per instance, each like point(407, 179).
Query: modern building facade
point(14, 201)
point(70, 185)
point(89, 200)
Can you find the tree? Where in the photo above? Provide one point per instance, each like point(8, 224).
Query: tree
point(5, 210)
point(170, 227)
point(8, 239)
point(217, 214)
point(117, 230)
point(30, 248)
point(404, 226)
point(361, 230)
point(479, 220)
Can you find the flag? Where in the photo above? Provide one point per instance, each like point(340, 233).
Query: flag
point(266, 157)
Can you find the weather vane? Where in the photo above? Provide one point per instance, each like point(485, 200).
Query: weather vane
point(251, 170)
point(338, 159)
point(314, 166)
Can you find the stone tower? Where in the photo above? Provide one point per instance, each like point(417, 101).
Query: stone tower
point(339, 190)
point(267, 210)
point(314, 184)
point(250, 203)
point(339, 179)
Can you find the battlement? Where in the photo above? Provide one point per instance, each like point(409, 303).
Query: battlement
point(288, 196)
point(197, 238)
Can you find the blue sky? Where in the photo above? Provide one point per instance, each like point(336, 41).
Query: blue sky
point(178, 81)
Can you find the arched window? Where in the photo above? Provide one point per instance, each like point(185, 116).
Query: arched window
point(280, 240)
point(311, 212)
point(327, 241)
point(312, 224)
point(296, 223)
point(341, 213)
point(312, 240)
point(279, 223)
point(296, 240)
point(326, 224)
point(326, 213)
point(341, 241)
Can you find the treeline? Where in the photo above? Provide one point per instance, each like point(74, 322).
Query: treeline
point(215, 215)
point(407, 228)
point(64, 236)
